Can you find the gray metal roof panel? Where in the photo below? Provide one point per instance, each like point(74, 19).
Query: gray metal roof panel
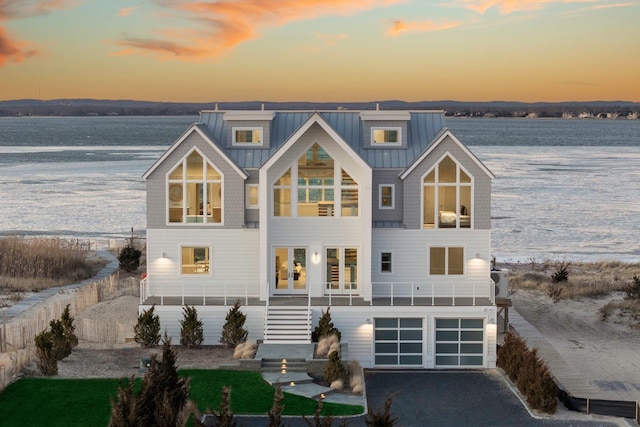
point(421, 130)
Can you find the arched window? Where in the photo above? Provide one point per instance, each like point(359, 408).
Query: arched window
point(322, 187)
point(447, 190)
point(194, 188)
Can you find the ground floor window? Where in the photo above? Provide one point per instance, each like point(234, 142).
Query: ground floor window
point(195, 260)
point(398, 341)
point(459, 342)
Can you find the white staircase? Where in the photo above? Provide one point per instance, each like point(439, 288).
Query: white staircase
point(287, 325)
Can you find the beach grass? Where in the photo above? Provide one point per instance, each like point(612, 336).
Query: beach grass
point(31, 264)
point(585, 279)
point(85, 402)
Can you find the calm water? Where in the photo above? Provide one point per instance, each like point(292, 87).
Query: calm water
point(564, 189)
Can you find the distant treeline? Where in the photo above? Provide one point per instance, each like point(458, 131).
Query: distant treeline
point(92, 107)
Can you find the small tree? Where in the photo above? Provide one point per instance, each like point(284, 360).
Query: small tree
point(69, 328)
point(224, 416)
point(47, 362)
point(129, 258)
point(163, 393)
point(325, 327)
point(275, 413)
point(191, 330)
point(335, 369)
point(123, 408)
point(147, 330)
point(61, 348)
point(233, 331)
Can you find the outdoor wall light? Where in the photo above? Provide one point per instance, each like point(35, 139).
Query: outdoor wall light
point(163, 255)
point(368, 321)
point(316, 257)
point(478, 255)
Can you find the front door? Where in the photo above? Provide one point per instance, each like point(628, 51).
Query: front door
point(290, 270)
point(341, 270)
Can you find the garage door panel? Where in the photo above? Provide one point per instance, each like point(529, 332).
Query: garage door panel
point(459, 342)
point(398, 341)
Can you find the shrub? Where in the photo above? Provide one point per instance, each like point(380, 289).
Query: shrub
point(69, 328)
point(147, 329)
point(381, 419)
point(191, 331)
point(561, 274)
point(633, 291)
point(61, 348)
point(530, 374)
point(275, 413)
point(335, 369)
point(233, 332)
point(162, 396)
point(224, 416)
point(327, 344)
point(325, 327)
point(318, 421)
point(129, 258)
point(47, 362)
point(245, 350)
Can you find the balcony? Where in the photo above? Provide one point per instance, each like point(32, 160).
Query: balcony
point(383, 294)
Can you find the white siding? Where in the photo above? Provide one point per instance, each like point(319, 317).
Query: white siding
point(410, 255)
point(234, 262)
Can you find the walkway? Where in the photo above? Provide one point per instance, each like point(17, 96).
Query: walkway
point(571, 380)
point(41, 296)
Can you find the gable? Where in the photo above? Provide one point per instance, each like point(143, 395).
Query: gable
point(194, 136)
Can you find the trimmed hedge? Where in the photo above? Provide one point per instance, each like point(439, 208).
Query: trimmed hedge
point(530, 373)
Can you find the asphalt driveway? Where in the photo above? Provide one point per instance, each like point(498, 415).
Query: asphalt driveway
point(444, 398)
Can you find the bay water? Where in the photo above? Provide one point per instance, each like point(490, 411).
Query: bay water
point(563, 189)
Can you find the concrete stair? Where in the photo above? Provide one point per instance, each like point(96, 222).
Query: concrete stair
point(287, 325)
point(283, 366)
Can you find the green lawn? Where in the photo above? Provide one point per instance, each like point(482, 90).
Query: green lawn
point(86, 402)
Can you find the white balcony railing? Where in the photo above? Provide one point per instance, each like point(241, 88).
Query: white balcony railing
point(383, 294)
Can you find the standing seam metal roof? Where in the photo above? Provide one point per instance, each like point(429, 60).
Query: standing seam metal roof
point(422, 128)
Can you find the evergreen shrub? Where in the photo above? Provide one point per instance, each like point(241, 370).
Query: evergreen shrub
point(129, 258)
point(233, 331)
point(147, 329)
point(325, 327)
point(191, 329)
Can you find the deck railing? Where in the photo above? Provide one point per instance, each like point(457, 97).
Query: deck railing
point(383, 293)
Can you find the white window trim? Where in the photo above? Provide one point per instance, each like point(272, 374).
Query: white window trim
point(393, 196)
point(247, 204)
point(247, 144)
point(381, 271)
point(384, 143)
point(446, 261)
point(208, 273)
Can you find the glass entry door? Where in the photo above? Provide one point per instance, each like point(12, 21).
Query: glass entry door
point(341, 270)
point(290, 270)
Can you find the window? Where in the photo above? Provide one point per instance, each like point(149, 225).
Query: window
point(319, 185)
point(446, 261)
point(387, 136)
point(194, 189)
point(251, 196)
point(385, 262)
point(447, 190)
point(247, 135)
point(195, 260)
point(398, 341)
point(386, 196)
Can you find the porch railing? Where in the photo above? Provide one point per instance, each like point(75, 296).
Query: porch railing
point(383, 293)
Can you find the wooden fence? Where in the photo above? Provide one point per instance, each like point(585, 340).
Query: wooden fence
point(17, 348)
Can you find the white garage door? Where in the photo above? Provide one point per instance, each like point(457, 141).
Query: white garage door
point(398, 342)
point(459, 342)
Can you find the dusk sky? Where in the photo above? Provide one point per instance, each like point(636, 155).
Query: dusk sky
point(320, 50)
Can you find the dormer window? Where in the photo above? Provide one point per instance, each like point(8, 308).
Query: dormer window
point(247, 136)
point(386, 136)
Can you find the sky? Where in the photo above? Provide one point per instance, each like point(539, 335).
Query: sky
point(320, 50)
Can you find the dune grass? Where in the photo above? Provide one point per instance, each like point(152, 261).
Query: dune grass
point(87, 402)
point(585, 279)
point(34, 263)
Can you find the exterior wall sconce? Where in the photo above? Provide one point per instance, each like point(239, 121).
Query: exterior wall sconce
point(478, 255)
point(163, 255)
point(315, 257)
point(368, 321)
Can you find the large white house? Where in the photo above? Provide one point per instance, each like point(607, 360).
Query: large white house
point(384, 216)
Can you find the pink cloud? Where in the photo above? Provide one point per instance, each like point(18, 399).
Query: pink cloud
point(126, 11)
point(15, 50)
point(227, 23)
point(400, 27)
point(506, 7)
